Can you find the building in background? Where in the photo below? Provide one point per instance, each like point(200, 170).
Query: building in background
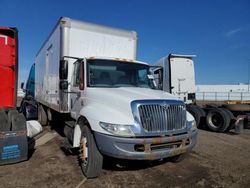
point(241, 87)
point(223, 92)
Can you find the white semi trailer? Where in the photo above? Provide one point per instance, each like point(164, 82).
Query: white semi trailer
point(175, 74)
point(88, 74)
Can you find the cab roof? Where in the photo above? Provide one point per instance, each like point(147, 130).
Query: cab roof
point(117, 59)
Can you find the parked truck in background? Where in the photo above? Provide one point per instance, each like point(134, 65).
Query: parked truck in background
point(175, 74)
point(8, 66)
point(13, 133)
point(89, 75)
point(28, 104)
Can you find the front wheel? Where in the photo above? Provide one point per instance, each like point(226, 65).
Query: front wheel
point(42, 116)
point(91, 159)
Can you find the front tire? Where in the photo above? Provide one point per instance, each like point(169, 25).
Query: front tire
point(42, 116)
point(91, 159)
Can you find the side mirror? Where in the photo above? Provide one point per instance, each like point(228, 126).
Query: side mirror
point(160, 76)
point(63, 69)
point(22, 85)
point(64, 85)
point(81, 85)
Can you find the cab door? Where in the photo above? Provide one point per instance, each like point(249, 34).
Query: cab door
point(77, 89)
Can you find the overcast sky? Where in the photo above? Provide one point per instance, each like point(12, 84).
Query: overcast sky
point(218, 32)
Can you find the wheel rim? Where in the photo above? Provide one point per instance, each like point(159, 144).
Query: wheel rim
point(84, 151)
point(216, 120)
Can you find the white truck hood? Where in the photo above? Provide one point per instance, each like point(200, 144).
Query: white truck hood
point(112, 105)
point(119, 99)
point(123, 96)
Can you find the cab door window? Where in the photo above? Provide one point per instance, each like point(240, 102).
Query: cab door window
point(76, 75)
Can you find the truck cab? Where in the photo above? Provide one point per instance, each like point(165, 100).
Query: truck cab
point(28, 104)
point(115, 102)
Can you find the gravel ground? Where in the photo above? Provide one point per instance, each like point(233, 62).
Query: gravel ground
point(218, 160)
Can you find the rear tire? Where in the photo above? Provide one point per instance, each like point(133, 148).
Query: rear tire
point(91, 159)
point(42, 116)
point(195, 112)
point(218, 120)
point(202, 122)
point(231, 117)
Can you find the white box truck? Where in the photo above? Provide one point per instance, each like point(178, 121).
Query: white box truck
point(175, 74)
point(89, 72)
point(178, 76)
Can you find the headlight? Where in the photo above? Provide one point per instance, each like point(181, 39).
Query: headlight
point(118, 129)
point(191, 125)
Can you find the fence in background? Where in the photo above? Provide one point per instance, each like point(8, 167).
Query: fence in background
point(222, 96)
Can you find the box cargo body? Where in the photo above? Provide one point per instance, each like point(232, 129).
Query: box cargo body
point(178, 75)
point(8, 66)
point(77, 39)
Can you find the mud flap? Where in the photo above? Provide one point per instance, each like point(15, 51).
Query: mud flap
point(14, 143)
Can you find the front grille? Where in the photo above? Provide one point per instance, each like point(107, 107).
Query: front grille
point(162, 117)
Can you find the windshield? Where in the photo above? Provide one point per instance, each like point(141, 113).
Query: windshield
point(110, 73)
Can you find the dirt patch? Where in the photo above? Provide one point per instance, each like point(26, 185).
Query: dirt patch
point(218, 160)
point(155, 174)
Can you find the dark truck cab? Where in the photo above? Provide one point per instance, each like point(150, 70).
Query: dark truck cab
point(28, 105)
